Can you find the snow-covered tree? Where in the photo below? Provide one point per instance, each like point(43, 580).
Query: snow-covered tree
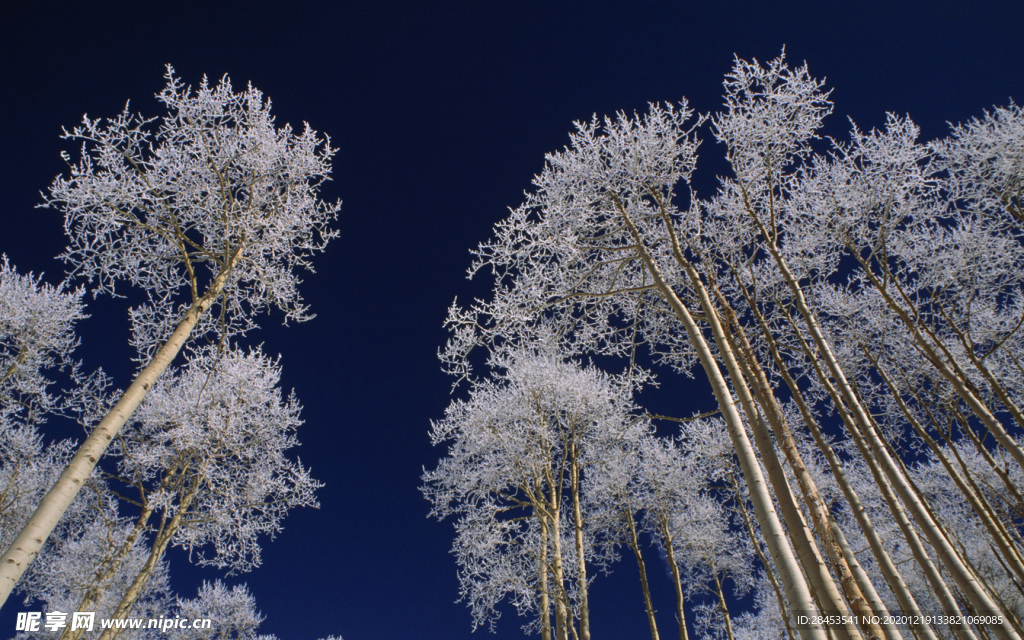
point(209, 212)
point(602, 247)
point(206, 456)
point(521, 452)
point(37, 336)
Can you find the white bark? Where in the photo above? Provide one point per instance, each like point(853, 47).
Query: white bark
point(33, 536)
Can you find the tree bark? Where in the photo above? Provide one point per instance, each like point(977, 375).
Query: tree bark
point(634, 544)
point(30, 540)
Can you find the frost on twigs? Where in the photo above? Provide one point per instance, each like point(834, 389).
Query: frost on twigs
point(210, 442)
point(521, 450)
point(37, 336)
point(568, 256)
point(166, 204)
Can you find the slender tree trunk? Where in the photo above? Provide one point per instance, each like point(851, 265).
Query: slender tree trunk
point(948, 368)
point(634, 544)
point(939, 586)
point(892, 577)
point(30, 540)
point(1011, 487)
point(723, 607)
point(980, 506)
point(798, 593)
point(677, 582)
point(160, 542)
point(965, 579)
point(110, 565)
point(823, 587)
point(979, 364)
point(544, 605)
point(563, 615)
point(768, 572)
point(581, 564)
point(106, 571)
point(823, 523)
point(822, 584)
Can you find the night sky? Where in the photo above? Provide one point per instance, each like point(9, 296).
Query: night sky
point(442, 112)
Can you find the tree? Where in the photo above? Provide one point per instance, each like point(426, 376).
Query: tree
point(206, 454)
point(521, 452)
point(233, 611)
point(37, 336)
point(598, 247)
point(209, 211)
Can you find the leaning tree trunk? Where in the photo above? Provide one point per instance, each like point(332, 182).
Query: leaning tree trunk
point(823, 586)
point(892, 501)
point(892, 577)
point(30, 540)
point(823, 524)
point(722, 606)
point(160, 542)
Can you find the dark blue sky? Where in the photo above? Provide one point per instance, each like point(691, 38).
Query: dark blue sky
point(442, 112)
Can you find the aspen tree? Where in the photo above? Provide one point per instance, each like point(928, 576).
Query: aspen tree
point(208, 211)
point(614, 254)
point(208, 451)
point(521, 451)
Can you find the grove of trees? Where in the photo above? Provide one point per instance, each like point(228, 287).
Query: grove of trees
point(855, 307)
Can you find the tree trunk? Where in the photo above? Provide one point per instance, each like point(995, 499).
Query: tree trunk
point(965, 579)
point(768, 572)
point(563, 612)
point(823, 523)
point(892, 577)
point(938, 584)
point(33, 536)
point(581, 564)
point(979, 504)
point(723, 607)
point(544, 604)
point(949, 369)
point(677, 581)
point(634, 544)
point(160, 542)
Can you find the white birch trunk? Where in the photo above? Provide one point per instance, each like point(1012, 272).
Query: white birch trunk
point(581, 564)
point(30, 540)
